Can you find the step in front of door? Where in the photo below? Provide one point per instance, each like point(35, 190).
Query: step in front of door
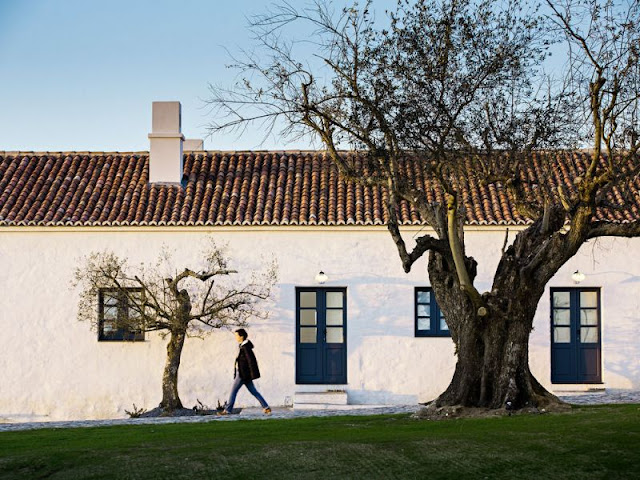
point(319, 400)
point(327, 406)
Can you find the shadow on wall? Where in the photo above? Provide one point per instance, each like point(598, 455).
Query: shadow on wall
point(23, 417)
point(380, 329)
point(380, 397)
point(620, 370)
point(631, 279)
point(365, 294)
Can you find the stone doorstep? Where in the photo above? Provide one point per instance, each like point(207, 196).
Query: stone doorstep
point(334, 407)
point(320, 398)
point(572, 389)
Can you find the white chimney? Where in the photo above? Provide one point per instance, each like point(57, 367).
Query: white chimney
point(165, 152)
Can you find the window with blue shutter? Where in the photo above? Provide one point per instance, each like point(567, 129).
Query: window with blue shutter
point(429, 320)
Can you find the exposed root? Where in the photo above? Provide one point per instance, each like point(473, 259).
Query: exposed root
point(447, 412)
point(176, 412)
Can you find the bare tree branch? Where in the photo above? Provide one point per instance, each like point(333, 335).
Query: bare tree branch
point(163, 303)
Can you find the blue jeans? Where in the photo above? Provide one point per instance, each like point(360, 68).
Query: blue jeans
point(237, 383)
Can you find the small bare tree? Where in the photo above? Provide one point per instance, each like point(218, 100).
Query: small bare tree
point(190, 302)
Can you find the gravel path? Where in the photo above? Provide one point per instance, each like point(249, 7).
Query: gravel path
point(587, 398)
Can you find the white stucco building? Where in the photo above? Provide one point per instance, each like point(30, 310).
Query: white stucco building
point(384, 342)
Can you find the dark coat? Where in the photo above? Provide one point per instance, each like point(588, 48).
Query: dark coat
point(246, 363)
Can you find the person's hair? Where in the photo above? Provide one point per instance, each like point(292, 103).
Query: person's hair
point(243, 333)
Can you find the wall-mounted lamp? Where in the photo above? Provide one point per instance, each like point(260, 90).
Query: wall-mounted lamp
point(321, 277)
point(577, 276)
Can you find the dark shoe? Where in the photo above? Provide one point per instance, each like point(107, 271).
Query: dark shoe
point(267, 411)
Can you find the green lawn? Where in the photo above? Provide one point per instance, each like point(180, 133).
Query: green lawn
point(590, 442)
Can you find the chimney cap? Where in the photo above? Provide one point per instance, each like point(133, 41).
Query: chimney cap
point(166, 118)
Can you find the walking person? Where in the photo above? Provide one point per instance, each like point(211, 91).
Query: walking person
point(244, 373)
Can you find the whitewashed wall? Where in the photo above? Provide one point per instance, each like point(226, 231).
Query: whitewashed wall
point(54, 367)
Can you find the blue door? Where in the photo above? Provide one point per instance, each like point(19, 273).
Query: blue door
point(575, 335)
point(321, 335)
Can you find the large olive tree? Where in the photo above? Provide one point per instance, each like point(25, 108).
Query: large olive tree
point(455, 89)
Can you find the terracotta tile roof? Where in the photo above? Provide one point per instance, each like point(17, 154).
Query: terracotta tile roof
point(239, 188)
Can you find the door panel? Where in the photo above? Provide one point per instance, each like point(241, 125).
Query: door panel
point(589, 365)
point(336, 371)
point(562, 365)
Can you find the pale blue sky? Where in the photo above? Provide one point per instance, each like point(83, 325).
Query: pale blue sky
point(81, 74)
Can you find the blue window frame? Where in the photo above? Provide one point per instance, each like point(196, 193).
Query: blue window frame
point(429, 320)
point(575, 335)
point(115, 314)
point(321, 335)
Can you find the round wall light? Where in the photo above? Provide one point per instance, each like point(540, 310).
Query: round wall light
point(321, 277)
point(577, 276)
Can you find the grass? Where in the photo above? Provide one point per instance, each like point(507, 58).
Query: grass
point(589, 442)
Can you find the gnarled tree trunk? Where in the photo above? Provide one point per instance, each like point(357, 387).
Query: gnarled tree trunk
point(170, 398)
point(493, 360)
point(493, 350)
